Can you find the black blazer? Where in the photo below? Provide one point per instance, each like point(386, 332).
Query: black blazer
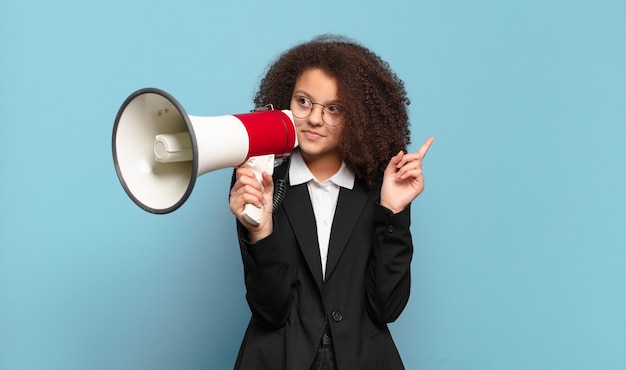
point(367, 284)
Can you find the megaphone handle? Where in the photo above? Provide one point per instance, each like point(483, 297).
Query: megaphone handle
point(258, 164)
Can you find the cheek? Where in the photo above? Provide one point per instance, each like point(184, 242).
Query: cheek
point(336, 134)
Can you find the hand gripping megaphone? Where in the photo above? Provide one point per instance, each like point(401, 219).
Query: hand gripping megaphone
point(159, 150)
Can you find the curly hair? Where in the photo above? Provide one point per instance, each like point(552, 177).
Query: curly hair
point(375, 125)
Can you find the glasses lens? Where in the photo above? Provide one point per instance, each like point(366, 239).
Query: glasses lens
point(331, 115)
point(301, 107)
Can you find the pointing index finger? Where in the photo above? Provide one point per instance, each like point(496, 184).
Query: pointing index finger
point(424, 148)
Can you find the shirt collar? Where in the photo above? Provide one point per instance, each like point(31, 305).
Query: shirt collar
point(299, 173)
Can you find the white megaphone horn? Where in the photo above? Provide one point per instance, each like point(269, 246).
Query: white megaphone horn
point(159, 150)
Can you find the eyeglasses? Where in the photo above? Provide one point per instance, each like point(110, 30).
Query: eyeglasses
point(301, 107)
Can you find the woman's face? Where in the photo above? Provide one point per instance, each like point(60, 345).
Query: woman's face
point(314, 88)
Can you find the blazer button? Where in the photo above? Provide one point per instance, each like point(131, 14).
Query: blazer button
point(390, 229)
point(337, 316)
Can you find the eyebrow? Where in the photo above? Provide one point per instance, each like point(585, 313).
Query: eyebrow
point(307, 95)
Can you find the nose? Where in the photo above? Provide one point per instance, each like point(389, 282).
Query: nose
point(315, 118)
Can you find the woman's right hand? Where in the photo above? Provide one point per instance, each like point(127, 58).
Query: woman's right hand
point(248, 190)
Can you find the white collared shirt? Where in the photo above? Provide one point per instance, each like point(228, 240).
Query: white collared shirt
point(323, 195)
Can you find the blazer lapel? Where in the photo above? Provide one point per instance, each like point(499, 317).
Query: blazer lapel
point(349, 208)
point(300, 213)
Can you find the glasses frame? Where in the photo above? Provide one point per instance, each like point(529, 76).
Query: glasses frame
point(324, 106)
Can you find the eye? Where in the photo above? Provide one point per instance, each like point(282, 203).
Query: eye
point(303, 102)
point(335, 110)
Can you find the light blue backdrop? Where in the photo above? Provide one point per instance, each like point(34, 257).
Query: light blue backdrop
point(520, 235)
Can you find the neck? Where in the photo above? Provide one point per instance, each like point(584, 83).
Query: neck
point(323, 166)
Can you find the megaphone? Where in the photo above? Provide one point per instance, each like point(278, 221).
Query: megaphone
point(159, 150)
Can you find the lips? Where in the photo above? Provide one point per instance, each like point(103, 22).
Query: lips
point(312, 135)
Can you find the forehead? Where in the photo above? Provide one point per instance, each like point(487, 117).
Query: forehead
point(317, 84)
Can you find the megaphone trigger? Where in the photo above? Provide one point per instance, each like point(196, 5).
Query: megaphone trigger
point(259, 164)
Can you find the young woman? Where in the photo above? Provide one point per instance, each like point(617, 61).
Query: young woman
point(328, 268)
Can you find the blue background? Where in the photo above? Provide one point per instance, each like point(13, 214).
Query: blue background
point(520, 235)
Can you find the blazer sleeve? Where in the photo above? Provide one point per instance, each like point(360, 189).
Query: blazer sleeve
point(389, 271)
point(268, 276)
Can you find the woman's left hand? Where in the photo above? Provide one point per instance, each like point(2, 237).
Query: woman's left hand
point(403, 179)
